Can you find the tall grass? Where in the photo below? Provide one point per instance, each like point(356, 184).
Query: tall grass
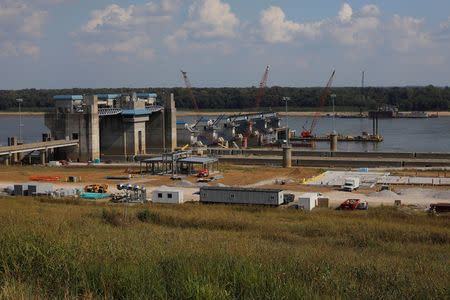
point(73, 250)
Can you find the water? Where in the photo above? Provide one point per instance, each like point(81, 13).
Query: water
point(32, 130)
point(418, 135)
point(414, 135)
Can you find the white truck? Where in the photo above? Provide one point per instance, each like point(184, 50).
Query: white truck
point(351, 184)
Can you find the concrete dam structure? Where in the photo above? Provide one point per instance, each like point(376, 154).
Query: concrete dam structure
point(113, 126)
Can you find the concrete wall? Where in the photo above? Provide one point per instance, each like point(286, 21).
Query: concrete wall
point(112, 136)
point(154, 132)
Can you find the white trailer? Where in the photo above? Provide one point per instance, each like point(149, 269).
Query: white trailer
point(308, 200)
point(351, 184)
point(173, 196)
point(240, 195)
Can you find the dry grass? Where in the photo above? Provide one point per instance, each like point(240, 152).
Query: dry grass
point(75, 250)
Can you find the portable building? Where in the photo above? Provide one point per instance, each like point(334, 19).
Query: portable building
point(308, 200)
point(172, 196)
point(239, 195)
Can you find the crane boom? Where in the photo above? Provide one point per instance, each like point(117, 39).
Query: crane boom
point(191, 93)
point(307, 133)
point(262, 86)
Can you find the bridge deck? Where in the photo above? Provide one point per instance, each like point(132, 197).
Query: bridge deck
point(37, 146)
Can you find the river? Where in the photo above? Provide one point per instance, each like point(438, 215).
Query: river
point(418, 135)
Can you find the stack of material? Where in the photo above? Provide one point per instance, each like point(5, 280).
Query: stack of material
point(63, 192)
point(33, 189)
point(94, 195)
point(323, 202)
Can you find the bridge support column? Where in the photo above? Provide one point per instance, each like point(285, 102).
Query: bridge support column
point(333, 142)
point(12, 141)
point(6, 161)
point(43, 155)
point(287, 156)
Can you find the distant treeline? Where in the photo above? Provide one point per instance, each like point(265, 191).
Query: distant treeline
point(348, 98)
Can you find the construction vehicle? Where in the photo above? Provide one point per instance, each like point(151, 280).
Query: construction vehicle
point(96, 188)
point(203, 173)
point(308, 133)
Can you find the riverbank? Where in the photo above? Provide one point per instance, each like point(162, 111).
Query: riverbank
point(218, 113)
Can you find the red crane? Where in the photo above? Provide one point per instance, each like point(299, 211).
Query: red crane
point(188, 85)
point(307, 133)
point(262, 86)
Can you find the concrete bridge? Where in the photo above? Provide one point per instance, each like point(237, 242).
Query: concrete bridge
point(42, 147)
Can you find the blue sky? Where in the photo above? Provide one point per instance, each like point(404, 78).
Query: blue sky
point(79, 43)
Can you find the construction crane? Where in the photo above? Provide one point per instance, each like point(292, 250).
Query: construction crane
point(307, 133)
point(262, 86)
point(191, 93)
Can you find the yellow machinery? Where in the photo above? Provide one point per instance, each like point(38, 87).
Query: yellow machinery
point(96, 188)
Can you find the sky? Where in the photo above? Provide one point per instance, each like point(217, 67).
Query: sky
point(220, 43)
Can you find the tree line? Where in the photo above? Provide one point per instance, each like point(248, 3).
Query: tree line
point(347, 98)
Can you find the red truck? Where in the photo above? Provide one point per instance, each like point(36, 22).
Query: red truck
point(203, 173)
point(351, 204)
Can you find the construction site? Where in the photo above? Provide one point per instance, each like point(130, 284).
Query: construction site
point(124, 143)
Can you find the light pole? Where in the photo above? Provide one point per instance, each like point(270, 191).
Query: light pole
point(333, 96)
point(286, 99)
point(19, 101)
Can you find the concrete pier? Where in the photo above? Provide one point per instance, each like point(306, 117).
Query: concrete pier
point(43, 156)
point(287, 156)
point(333, 142)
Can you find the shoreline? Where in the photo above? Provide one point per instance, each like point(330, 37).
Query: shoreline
point(218, 113)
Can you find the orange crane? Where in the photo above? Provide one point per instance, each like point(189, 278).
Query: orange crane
point(307, 133)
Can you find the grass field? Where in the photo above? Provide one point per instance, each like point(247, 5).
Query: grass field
point(72, 249)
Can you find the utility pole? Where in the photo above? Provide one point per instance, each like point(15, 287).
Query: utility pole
point(19, 101)
point(286, 99)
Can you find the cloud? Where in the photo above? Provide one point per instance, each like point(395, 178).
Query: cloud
point(405, 34)
point(356, 29)
point(21, 25)
point(275, 27)
point(209, 23)
point(345, 14)
point(125, 32)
